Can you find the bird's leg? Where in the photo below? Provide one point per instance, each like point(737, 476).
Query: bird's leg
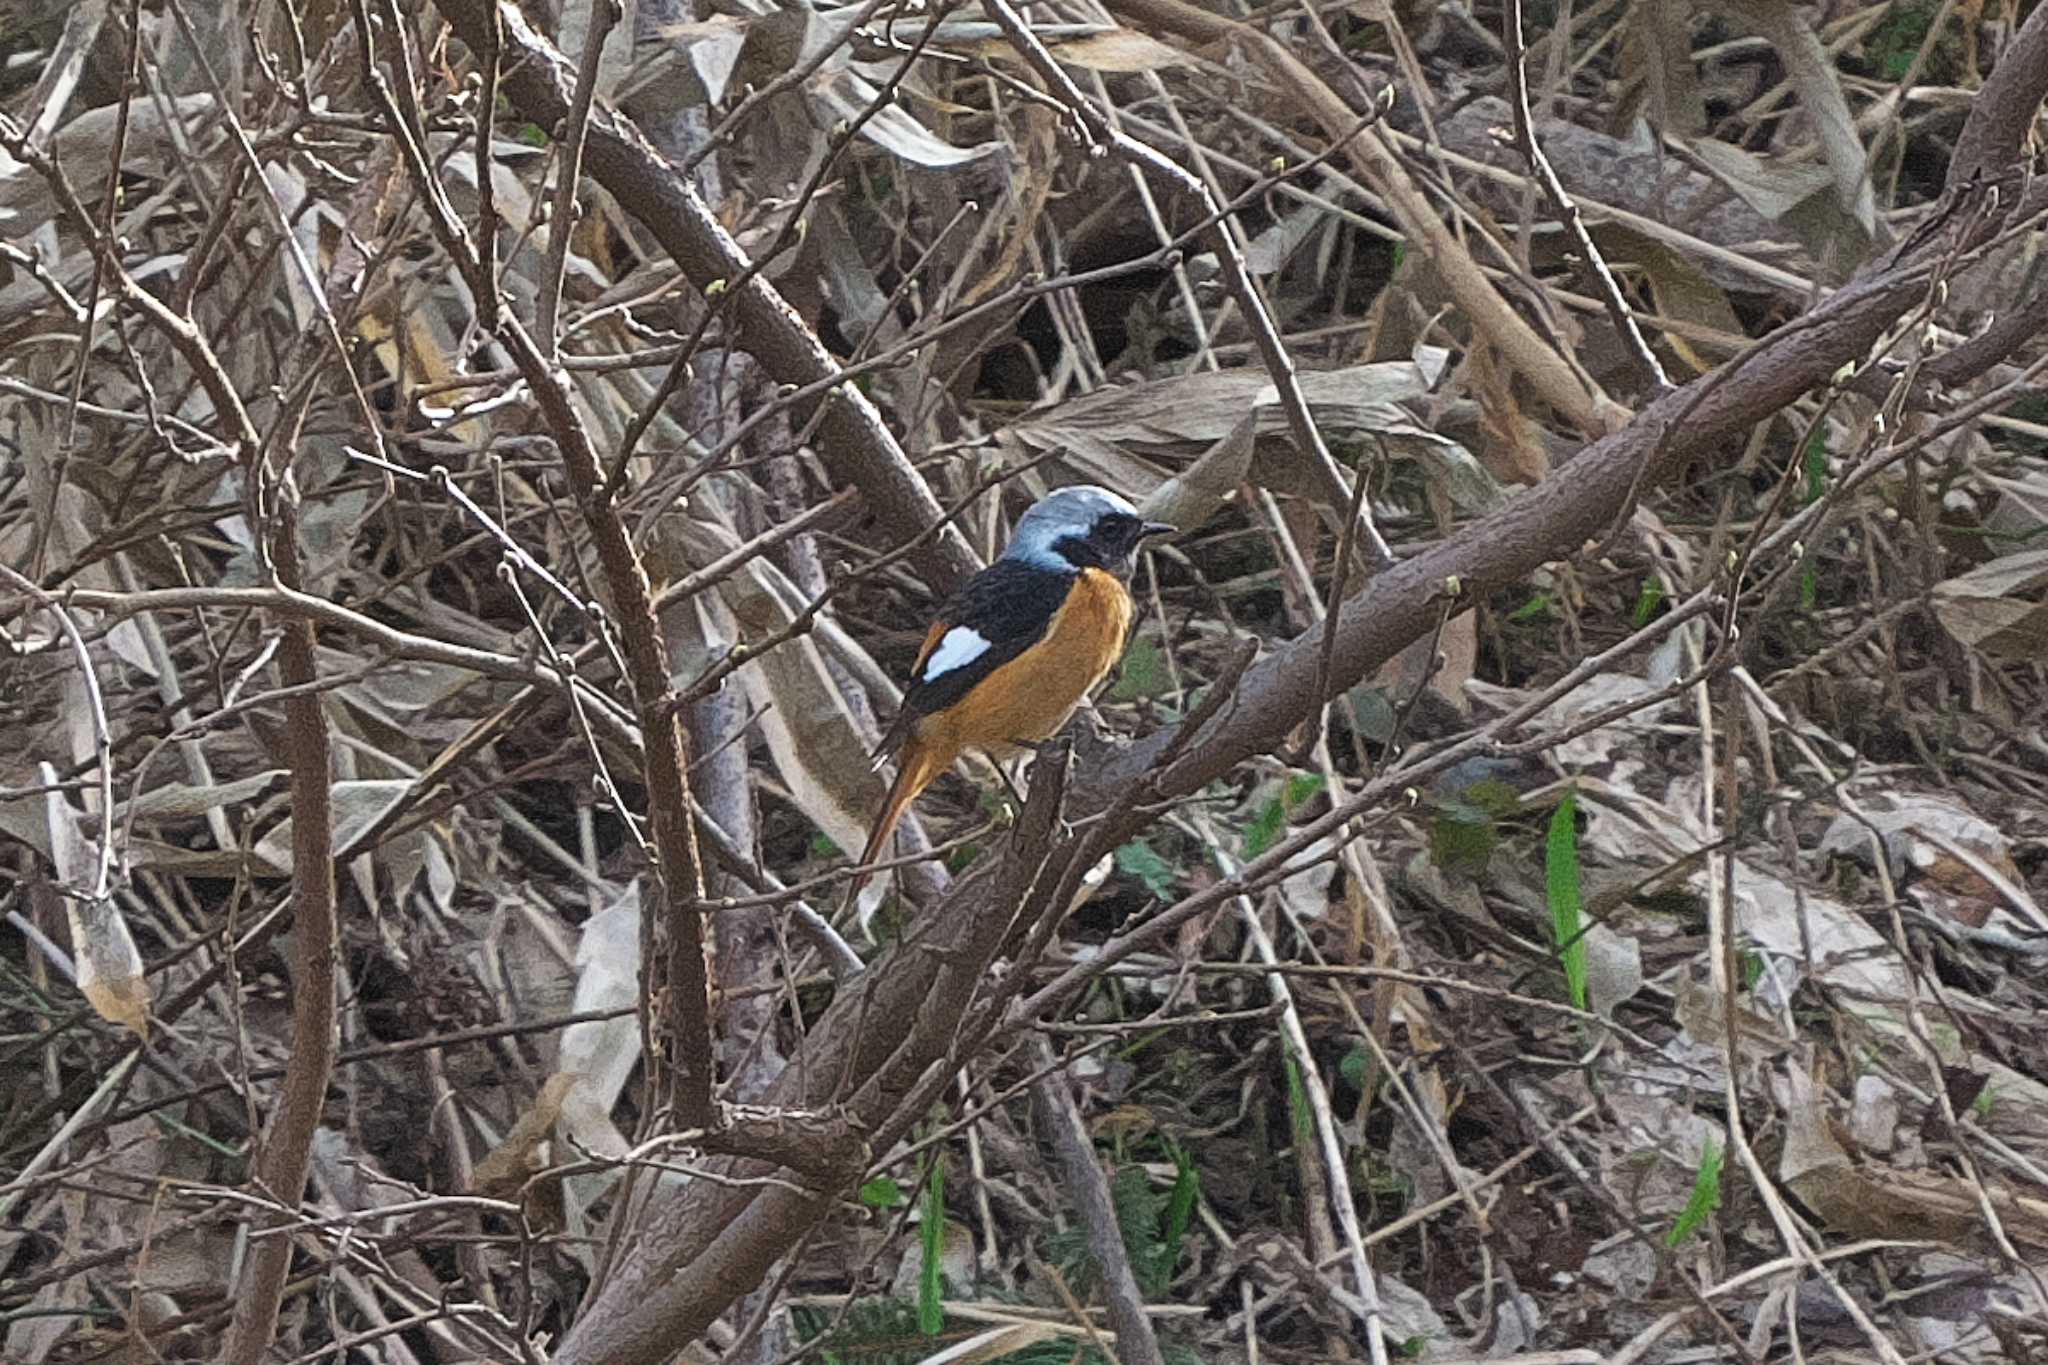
point(1016, 796)
point(1034, 747)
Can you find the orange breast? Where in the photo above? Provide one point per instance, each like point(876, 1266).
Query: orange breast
point(1032, 696)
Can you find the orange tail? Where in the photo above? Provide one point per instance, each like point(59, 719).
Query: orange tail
point(917, 764)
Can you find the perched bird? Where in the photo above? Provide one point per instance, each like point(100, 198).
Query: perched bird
point(1018, 647)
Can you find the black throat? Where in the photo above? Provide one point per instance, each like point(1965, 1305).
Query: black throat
point(1086, 552)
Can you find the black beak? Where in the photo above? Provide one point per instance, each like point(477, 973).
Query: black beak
point(1156, 528)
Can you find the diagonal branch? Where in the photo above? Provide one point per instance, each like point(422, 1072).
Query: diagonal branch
point(885, 1050)
point(855, 444)
point(898, 1030)
point(1061, 1114)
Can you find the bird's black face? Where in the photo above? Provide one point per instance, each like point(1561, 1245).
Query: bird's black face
point(1110, 543)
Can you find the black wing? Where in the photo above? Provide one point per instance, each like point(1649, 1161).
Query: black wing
point(1010, 604)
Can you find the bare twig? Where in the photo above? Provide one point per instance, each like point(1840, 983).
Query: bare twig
point(1591, 263)
point(1152, 163)
point(1135, 1341)
point(857, 445)
point(604, 15)
point(666, 769)
point(102, 739)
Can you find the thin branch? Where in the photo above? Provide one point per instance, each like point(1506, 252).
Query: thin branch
point(564, 211)
point(1136, 1342)
point(665, 763)
point(102, 739)
point(1591, 263)
point(1148, 161)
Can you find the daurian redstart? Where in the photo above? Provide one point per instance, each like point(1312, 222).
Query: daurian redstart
point(1018, 647)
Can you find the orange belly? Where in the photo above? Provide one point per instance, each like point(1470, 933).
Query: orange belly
point(1031, 697)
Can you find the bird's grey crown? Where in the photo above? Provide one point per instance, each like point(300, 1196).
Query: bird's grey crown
point(1059, 514)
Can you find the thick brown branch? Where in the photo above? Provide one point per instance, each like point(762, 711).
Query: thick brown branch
point(1061, 1116)
point(283, 1158)
point(900, 1025)
point(1701, 422)
point(2004, 108)
point(855, 444)
point(665, 761)
point(882, 1053)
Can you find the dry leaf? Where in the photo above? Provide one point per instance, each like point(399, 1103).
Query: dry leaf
point(1120, 50)
point(994, 1344)
point(839, 92)
point(1773, 188)
point(1122, 436)
point(183, 801)
point(1682, 291)
point(603, 1052)
point(357, 805)
point(1876, 1200)
point(104, 955)
point(1988, 608)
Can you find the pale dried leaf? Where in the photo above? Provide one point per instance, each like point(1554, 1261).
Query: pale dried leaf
point(109, 967)
point(1122, 436)
point(603, 1052)
point(1962, 864)
point(1904, 820)
point(1895, 1202)
point(1683, 292)
point(2022, 508)
point(1634, 829)
point(1120, 50)
point(1614, 969)
point(528, 1147)
point(839, 92)
point(88, 140)
point(618, 41)
point(712, 49)
point(847, 277)
point(1772, 187)
point(357, 805)
point(1987, 608)
point(1271, 250)
point(184, 801)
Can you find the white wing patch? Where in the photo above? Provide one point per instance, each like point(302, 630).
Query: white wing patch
point(957, 647)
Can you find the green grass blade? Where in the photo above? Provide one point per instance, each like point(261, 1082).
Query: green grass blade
point(1561, 873)
point(1705, 1198)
